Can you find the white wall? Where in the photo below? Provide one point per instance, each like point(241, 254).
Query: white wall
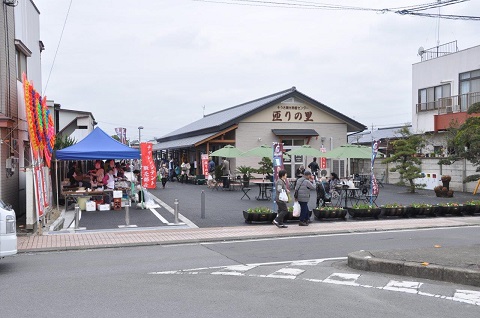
point(27, 30)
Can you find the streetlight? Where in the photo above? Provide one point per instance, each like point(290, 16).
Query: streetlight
point(139, 137)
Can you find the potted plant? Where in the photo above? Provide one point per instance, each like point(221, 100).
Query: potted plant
point(420, 209)
point(324, 212)
point(259, 214)
point(471, 207)
point(364, 210)
point(446, 181)
point(246, 172)
point(393, 209)
point(266, 168)
point(449, 208)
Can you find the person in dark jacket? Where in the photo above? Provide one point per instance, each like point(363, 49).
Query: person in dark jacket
point(303, 186)
point(280, 185)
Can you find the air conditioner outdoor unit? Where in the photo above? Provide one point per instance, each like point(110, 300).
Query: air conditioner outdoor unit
point(449, 109)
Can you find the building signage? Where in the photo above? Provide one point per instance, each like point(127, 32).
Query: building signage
point(292, 113)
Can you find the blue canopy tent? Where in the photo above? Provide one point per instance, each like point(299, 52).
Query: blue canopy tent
point(97, 145)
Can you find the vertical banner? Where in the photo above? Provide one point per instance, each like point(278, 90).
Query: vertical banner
point(277, 159)
point(149, 173)
point(205, 165)
point(323, 163)
point(122, 134)
point(374, 184)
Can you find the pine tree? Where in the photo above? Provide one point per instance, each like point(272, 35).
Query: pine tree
point(404, 150)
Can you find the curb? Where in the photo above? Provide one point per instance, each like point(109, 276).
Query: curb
point(365, 260)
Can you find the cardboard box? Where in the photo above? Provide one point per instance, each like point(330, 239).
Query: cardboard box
point(117, 194)
point(103, 207)
point(91, 205)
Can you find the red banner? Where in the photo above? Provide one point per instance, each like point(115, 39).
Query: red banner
point(205, 165)
point(323, 163)
point(149, 173)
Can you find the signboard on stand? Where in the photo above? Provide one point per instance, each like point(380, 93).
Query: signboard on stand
point(149, 173)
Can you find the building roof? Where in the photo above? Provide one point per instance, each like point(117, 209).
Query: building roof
point(365, 137)
point(181, 143)
point(223, 119)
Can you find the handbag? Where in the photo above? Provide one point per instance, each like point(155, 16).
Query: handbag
point(283, 196)
point(296, 209)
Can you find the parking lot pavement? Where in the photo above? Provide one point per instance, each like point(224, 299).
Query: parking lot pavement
point(224, 208)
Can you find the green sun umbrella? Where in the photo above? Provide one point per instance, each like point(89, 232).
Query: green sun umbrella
point(228, 151)
point(306, 150)
point(261, 151)
point(349, 152)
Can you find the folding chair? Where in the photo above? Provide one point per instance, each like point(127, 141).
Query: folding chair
point(245, 192)
point(381, 180)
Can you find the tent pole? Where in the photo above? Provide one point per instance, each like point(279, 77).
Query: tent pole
point(56, 182)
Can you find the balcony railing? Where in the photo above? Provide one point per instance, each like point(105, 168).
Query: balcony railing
point(452, 104)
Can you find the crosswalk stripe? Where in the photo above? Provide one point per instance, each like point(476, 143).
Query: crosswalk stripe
point(467, 296)
point(348, 279)
point(403, 286)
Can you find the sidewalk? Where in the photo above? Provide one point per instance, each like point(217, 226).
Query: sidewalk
point(64, 240)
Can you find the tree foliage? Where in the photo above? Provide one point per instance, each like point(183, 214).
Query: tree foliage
point(64, 142)
point(464, 141)
point(404, 150)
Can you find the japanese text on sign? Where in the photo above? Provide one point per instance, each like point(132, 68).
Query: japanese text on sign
point(149, 173)
point(279, 115)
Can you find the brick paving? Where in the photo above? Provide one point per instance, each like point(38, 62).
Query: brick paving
point(61, 241)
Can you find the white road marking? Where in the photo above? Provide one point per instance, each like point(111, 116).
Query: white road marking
point(346, 279)
point(342, 279)
point(467, 296)
point(161, 218)
point(403, 286)
point(286, 273)
point(172, 211)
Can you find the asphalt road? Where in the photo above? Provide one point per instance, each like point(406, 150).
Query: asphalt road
point(156, 281)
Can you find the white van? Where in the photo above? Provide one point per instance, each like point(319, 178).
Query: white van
point(8, 230)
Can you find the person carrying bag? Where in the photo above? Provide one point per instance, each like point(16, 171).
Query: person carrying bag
point(282, 198)
point(302, 194)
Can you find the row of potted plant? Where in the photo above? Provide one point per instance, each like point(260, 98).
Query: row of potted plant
point(261, 214)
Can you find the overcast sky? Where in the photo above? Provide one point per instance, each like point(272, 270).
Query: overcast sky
point(157, 63)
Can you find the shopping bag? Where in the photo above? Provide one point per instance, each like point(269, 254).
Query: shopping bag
point(283, 196)
point(296, 209)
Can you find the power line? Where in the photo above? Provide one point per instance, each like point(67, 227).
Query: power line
point(311, 5)
point(58, 46)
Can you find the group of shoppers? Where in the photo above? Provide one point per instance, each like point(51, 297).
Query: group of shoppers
point(305, 183)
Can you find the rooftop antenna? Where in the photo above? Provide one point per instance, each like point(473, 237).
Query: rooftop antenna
point(203, 110)
point(438, 28)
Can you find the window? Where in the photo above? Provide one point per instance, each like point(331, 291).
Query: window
point(469, 89)
point(21, 64)
point(429, 98)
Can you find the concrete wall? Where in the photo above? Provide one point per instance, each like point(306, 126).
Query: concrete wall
point(458, 171)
